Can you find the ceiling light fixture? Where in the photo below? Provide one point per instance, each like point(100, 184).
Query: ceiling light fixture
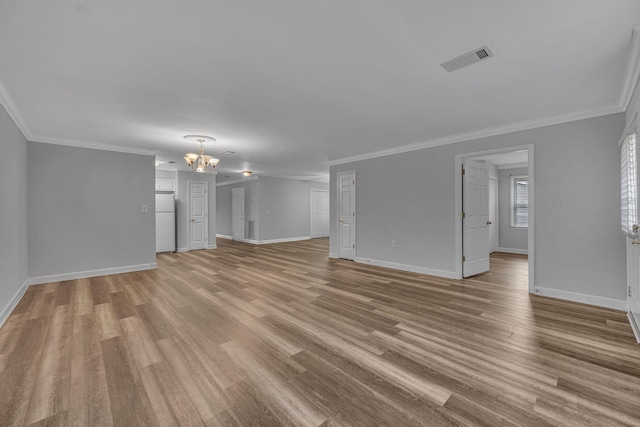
point(200, 162)
point(246, 173)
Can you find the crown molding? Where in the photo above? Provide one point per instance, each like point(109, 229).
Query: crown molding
point(90, 144)
point(485, 133)
point(236, 181)
point(633, 70)
point(12, 111)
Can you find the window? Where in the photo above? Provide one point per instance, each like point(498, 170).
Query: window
point(520, 201)
point(629, 184)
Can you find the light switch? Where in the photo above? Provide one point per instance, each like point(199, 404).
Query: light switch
point(145, 209)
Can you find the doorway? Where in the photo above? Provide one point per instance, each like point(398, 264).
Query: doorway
point(347, 215)
point(237, 213)
point(474, 238)
point(198, 215)
point(319, 213)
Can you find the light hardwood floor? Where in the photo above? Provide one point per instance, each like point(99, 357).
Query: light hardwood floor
point(281, 335)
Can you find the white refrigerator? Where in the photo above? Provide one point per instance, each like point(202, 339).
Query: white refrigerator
point(165, 223)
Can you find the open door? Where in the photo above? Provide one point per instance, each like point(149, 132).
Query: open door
point(475, 218)
point(347, 215)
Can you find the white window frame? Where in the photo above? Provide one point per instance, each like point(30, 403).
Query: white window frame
point(512, 180)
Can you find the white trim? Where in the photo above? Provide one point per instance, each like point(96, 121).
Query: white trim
point(90, 144)
point(407, 267)
point(224, 236)
point(13, 302)
point(513, 250)
point(459, 158)
point(90, 273)
point(267, 242)
point(236, 181)
point(212, 247)
point(616, 304)
point(513, 166)
point(633, 70)
point(12, 111)
point(182, 250)
point(333, 255)
point(634, 321)
point(485, 133)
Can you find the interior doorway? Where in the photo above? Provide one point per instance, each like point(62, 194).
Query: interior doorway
point(237, 214)
point(198, 215)
point(494, 207)
point(347, 215)
point(319, 213)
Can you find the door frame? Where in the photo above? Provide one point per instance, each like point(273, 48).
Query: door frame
point(459, 159)
point(338, 202)
point(206, 189)
point(311, 191)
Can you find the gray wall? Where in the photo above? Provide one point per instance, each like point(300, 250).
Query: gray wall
point(251, 207)
point(182, 206)
point(84, 209)
point(579, 248)
point(13, 210)
point(509, 237)
point(285, 207)
point(279, 207)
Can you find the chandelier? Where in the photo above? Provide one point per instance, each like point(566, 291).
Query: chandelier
point(200, 162)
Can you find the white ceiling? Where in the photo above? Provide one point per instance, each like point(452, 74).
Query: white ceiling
point(290, 86)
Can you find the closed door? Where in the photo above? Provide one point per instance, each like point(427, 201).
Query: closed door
point(347, 214)
point(237, 213)
point(475, 205)
point(319, 213)
point(198, 215)
point(493, 216)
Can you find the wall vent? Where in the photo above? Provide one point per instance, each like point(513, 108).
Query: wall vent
point(468, 58)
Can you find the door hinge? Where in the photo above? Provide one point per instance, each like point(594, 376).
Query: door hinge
point(354, 214)
point(462, 171)
point(629, 291)
point(354, 182)
point(463, 258)
point(354, 246)
point(462, 214)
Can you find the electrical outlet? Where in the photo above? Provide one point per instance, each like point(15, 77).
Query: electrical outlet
point(145, 209)
point(394, 244)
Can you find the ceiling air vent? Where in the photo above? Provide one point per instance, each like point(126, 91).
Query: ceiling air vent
point(468, 58)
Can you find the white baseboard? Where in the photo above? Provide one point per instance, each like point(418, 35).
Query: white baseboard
point(513, 251)
point(182, 250)
point(407, 267)
point(333, 255)
point(13, 302)
point(224, 236)
point(634, 320)
point(266, 242)
point(90, 273)
point(212, 247)
point(616, 304)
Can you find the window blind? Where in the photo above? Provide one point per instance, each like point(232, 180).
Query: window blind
point(629, 185)
point(520, 202)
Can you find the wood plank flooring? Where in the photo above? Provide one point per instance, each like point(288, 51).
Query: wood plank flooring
point(280, 335)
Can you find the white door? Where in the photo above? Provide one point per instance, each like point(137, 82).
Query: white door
point(493, 216)
point(198, 205)
point(319, 209)
point(347, 215)
point(237, 213)
point(475, 208)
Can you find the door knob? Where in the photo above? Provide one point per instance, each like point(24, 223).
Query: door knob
point(341, 220)
point(489, 223)
point(193, 220)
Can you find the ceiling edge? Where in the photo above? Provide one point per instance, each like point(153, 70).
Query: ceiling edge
point(90, 144)
point(513, 166)
point(485, 133)
point(633, 70)
point(12, 111)
point(236, 181)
